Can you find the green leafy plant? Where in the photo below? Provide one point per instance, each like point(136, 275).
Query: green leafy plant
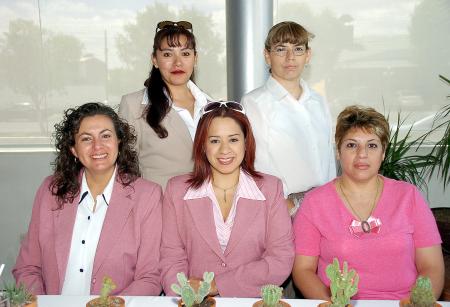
point(400, 164)
point(18, 295)
point(422, 293)
point(343, 283)
point(442, 147)
point(271, 295)
point(189, 296)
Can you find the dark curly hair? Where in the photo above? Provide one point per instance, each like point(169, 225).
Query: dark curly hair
point(65, 184)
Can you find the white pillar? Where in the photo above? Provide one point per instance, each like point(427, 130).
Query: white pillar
point(248, 22)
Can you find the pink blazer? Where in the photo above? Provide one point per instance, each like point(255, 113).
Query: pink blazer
point(127, 249)
point(260, 250)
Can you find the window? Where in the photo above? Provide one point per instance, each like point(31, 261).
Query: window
point(60, 53)
point(385, 54)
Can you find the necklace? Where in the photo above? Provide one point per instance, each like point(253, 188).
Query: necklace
point(225, 190)
point(364, 223)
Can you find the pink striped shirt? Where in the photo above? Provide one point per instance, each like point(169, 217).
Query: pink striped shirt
point(246, 188)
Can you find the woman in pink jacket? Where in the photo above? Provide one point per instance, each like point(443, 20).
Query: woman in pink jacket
point(225, 217)
point(95, 216)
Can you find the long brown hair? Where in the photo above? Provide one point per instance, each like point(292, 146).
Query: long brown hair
point(202, 168)
point(157, 90)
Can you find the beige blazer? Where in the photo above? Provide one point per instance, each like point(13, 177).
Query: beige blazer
point(159, 159)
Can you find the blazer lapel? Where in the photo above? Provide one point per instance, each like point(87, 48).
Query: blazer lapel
point(179, 128)
point(246, 211)
point(117, 214)
point(64, 221)
point(203, 217)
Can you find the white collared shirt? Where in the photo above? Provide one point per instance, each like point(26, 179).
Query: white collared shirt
point(246, 188)
point(294, 139)
point(85, 236)
point(200, 100)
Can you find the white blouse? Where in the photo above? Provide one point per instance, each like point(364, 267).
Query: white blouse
point(85, 236)
point(294, 139)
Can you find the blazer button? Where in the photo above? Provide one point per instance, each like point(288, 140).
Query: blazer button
point(94, 280)
point(224, 264)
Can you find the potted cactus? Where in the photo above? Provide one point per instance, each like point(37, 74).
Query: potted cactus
point(192, 298)
point(421, 295)
point(19, 296)
point(105, 300)
point(343, 284)
point(271, 295)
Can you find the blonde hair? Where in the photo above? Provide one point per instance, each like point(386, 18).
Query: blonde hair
point(365, 118)
point(287, 32)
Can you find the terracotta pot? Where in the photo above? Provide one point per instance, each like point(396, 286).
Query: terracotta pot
point(33, 302)
point(326, 304)
point(406, 302)
point(115, 301)
point(260, 303)
point(207, 302)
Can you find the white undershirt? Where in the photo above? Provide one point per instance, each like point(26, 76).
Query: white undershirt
point(85, 236)
point(200, 100)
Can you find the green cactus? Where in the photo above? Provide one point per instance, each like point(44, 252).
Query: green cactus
point(271, 295)
point(189, 296)
point(107, 286)
point(422, 293)
point(343, 284)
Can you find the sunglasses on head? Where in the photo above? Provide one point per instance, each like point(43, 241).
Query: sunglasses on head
point(167, 24)
point(214, 105)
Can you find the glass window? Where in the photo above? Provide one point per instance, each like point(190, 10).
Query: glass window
point(55, 54)
point(385, 54)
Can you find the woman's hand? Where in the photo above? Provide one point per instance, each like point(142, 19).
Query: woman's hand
point(306, 279)
point(195, 284)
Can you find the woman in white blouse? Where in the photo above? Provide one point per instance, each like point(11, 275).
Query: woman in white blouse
point(291, 122)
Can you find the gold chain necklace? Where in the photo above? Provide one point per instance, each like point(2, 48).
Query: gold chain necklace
point(225, 190)
point(364, 224)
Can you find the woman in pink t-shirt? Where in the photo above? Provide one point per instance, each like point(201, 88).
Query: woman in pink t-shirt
point(382, 227)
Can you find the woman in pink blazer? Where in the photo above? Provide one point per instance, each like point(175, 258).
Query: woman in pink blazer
point(94, 216)
point(225, 217)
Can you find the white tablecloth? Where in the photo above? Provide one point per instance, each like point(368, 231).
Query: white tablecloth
point(165, 301)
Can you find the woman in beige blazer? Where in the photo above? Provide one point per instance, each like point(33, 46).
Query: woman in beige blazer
point(166, 112)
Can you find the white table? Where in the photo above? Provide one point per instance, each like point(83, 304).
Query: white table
point(165, 301)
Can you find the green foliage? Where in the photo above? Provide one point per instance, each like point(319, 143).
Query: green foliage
point(343, 284)
point(422, 293)
point(189, 296)
point(271, 295)
point(398, 164)
point(18, 295)
point(418, 169)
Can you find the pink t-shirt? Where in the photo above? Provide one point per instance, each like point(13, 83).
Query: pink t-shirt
point(385, 260)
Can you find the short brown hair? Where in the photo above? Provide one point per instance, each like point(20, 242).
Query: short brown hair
point(364, 118)
point(288, 32)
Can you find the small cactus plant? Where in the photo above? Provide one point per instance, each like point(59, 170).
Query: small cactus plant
point(271, 295)
point(107, 287)
point(188, 295)
point(343, 284)
point(422, 293)
point(105, 300)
